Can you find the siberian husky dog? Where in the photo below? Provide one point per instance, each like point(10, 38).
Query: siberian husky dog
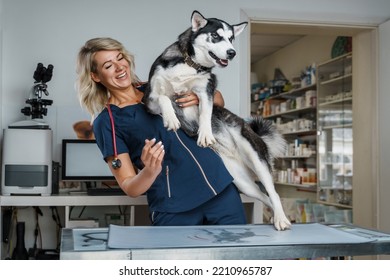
point(247, 148)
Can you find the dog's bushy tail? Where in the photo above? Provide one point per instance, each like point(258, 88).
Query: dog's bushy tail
point(267, 131)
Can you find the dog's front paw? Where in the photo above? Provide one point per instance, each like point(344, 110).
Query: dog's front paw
point(171, 122)
point(205, 139)
point(281, 222)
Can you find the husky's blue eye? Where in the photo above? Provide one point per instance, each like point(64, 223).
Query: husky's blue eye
point(215, 35)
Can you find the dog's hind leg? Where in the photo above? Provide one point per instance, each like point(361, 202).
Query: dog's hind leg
point(259, 167)
point(244, 180)
point(280, 220)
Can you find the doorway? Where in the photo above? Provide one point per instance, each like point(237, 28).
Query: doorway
point(267, 39)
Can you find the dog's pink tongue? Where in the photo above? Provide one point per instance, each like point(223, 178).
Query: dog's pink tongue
point(224, 62)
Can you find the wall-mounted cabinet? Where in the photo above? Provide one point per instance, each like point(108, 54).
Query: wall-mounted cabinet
point(335, 133)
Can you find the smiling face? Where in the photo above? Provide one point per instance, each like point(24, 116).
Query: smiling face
point(111, 70)
point(213, 40)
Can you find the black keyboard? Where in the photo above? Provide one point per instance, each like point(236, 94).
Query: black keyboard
point(105, 191)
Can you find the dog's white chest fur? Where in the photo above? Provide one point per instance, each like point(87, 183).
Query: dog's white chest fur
point(179, 79)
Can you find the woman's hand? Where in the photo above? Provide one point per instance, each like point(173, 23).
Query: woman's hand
point(190, 98)
point(152, 156)
point(187, 99)
point(135, 184)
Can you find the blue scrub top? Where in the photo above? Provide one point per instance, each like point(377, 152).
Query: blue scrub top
point(191, 175)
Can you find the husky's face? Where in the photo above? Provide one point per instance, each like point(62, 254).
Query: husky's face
point(213, 41)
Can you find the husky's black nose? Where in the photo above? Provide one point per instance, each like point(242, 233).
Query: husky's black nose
point(230, 53)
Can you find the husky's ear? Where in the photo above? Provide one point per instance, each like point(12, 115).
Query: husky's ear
point(198, 21)
point(238, 28)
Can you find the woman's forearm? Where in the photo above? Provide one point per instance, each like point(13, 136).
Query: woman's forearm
point(139, 184)
point(218, 99)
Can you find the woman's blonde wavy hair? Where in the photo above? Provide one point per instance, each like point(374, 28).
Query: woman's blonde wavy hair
point(94, 96)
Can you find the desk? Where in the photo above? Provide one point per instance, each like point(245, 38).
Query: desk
point(67, 201)
point(336, 241)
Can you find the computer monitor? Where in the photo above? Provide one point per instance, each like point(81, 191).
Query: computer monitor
point(83, 161)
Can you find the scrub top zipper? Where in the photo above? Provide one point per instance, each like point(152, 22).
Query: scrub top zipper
point(200, 167)
point(168, 181)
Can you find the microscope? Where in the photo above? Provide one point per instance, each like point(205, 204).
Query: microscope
point(27, 145)
point(38, 105)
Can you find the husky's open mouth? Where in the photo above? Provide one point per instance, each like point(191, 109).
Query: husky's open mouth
point(222, 62)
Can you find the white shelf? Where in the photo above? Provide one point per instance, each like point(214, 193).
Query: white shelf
point(335, 204)
point(337, 101)
point(300, 132)
point(336, 59)
point(337, 80)
point(303, 186)
point(71, 200)
point(291, 112)
point(289, 94)
point(347, 125)
point(81, 200)
point(297, 157)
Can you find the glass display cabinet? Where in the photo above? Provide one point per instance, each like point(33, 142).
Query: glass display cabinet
point(335, 131)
